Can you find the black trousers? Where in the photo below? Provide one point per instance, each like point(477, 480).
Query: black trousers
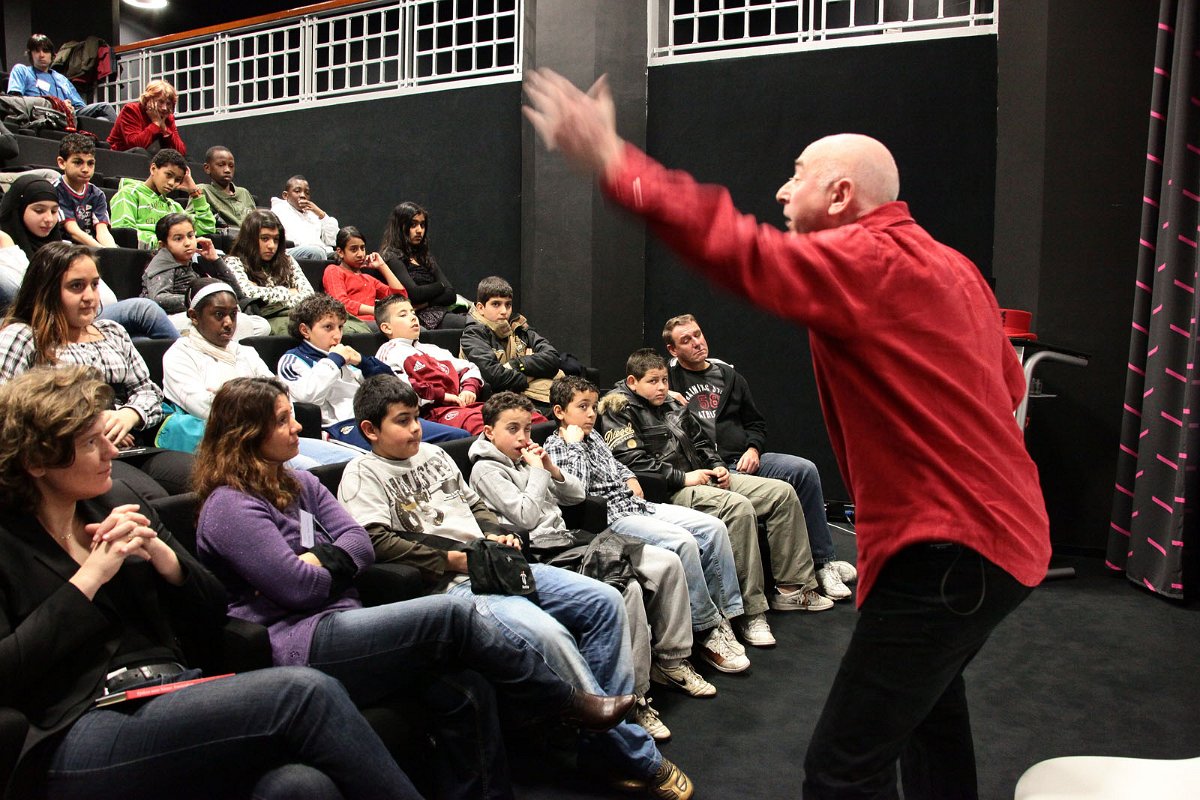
point(899, 692)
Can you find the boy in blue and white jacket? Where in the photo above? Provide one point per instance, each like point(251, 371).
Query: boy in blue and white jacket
point(327, 373)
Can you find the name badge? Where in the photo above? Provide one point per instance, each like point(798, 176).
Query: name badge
point(43, 84)
point(307, 535)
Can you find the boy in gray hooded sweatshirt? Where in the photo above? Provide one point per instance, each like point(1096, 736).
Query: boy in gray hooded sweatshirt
point(520, 482)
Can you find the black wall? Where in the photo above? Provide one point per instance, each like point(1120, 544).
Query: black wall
point(457, 153)
point(742, 122)
point(1098, 79)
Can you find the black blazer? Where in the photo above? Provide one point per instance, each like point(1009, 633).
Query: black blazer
point(56, 645)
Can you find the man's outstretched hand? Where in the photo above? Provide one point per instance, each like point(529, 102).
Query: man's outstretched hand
point(582, 126)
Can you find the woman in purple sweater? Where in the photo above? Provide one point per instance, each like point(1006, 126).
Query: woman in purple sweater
point(288, 554)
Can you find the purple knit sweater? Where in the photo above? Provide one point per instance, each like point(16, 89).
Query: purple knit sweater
point(253, 547)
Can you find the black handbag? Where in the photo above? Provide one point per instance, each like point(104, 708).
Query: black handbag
point(495, 568)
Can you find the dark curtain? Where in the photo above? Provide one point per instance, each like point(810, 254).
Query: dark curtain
point(1155, 498)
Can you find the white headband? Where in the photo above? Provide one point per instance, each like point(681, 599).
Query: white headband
point(211, 288)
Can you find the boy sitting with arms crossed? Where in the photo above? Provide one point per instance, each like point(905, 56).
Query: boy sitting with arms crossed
point(667, 444)
point(418, 509)
point(521, 483)
point(169, 275)
point(701, 541)
point(446, 385)
point(327, 373)
point(510, 355)
point(141, 204)
point(82, 207)
point(230, 204)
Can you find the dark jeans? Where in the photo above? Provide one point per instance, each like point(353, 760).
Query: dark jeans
point(420, 647)
point(899, 692)
point(273, 733)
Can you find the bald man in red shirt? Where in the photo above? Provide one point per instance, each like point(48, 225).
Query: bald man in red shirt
point(918, 387)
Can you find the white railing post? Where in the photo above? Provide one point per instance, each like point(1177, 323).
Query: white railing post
point(220, 60)
point(307, 42)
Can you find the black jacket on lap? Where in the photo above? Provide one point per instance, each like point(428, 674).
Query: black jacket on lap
point(662, 442)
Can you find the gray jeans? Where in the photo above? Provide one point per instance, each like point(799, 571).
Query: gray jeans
point(660, 613)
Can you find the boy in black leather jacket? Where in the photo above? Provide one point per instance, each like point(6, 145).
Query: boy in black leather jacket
point(665, 446)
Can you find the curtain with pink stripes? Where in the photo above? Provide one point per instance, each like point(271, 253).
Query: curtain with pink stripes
point(1155, 500)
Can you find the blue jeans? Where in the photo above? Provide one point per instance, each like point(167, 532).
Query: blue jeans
point(803, 476)
point(274, 733)
point(579, 627)
point(98, 111)
point(421, 647)
point(702, 543)
point(141, 317)
point(315, 452)
point(310, 252)
point(432, 432)
point(899, 691)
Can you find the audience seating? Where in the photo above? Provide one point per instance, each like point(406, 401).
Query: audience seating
point(125, 237)
point(122, 267)
point(221, 241)
point(36, 152)
point(100, 127)
point(119, 162)
point(314, 270)
point(152, 351)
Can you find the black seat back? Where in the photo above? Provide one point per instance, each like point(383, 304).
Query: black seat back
point(122, 268)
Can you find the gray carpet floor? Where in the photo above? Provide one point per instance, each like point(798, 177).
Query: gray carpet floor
point(1086, 666)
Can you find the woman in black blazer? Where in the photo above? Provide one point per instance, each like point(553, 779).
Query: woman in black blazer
point(92, 590)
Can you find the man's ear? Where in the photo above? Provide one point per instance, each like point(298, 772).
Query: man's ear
point(631, 381)
point(559, 412)
point(841, 195)
point(489, 432)
point(62, 163)
point(671, 350)
point(305, 331)
point(369, 430)
point(385, 328)
point(479, 306)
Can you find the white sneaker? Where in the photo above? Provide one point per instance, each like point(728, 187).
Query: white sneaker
point(717, 651)
point(646, 715)
point(831, 583)
point(800, 600)
point(727, 632)
point(683, 677)
point(755, 630)
point(845, 569)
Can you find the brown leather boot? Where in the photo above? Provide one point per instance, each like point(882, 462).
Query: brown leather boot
point(594, 712)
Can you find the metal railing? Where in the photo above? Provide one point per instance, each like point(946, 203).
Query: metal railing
point(368, 49)
point(688, 30)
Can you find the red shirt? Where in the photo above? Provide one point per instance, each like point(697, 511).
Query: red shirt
point(354, 289)
point(917, 380)
point(133, 128)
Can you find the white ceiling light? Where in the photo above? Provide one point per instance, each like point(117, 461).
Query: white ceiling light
point(152, 5)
